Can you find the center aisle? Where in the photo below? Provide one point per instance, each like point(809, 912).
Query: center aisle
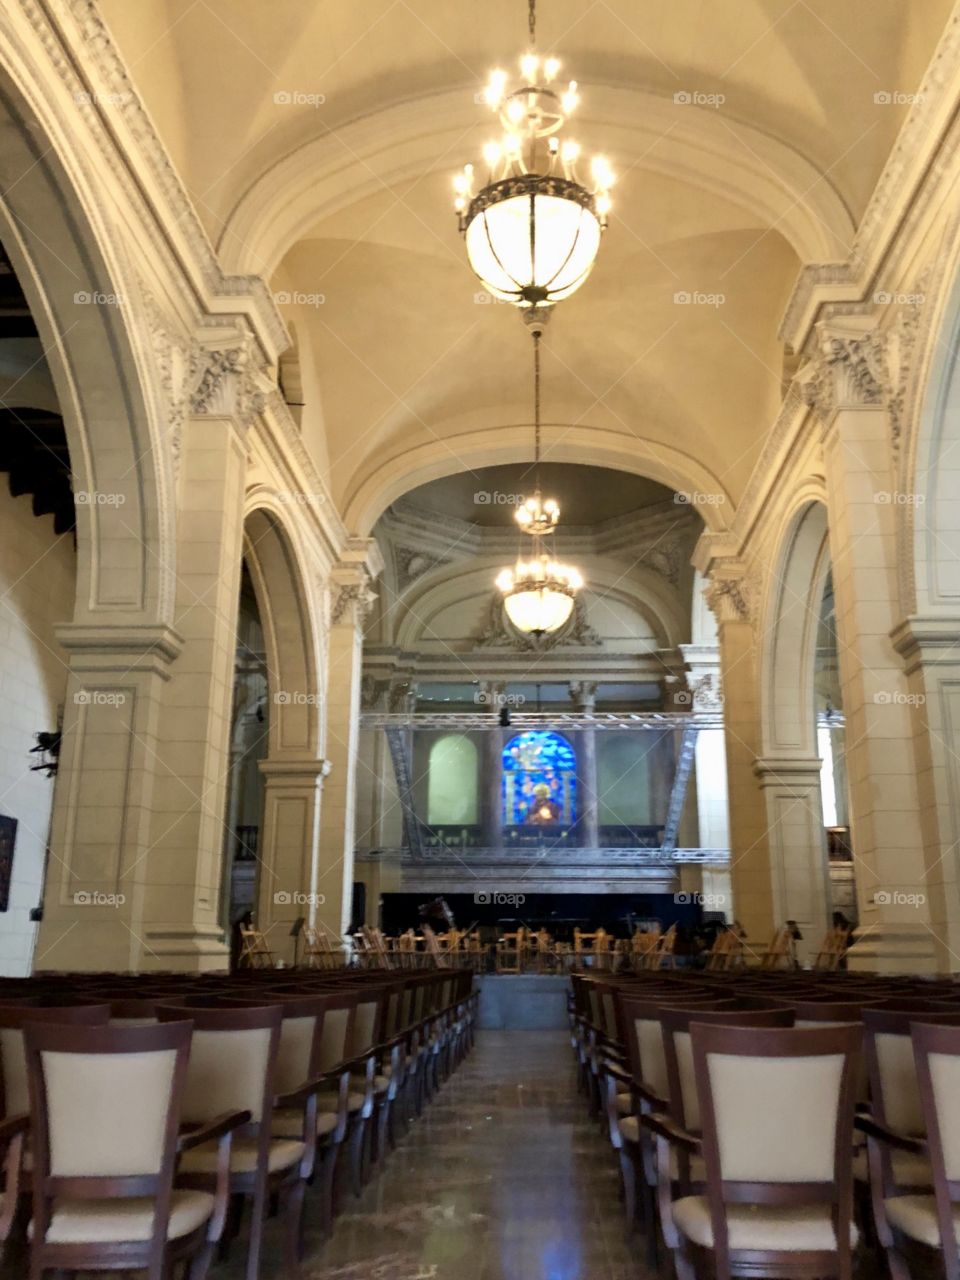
point(504, 1178)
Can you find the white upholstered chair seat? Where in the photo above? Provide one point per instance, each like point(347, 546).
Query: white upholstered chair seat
point(789, 1228)
point(284, 1152)
point(916, 1217)
point(288, 1123)
point(103, 1221)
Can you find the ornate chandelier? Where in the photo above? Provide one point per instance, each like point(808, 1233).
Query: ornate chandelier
point(539, 593)
point(533, 231)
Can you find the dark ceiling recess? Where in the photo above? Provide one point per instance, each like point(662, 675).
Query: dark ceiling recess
point(33, 443)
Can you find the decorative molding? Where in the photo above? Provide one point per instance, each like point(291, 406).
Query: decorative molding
point(412, 563)
point(373, 693)
point(851, 370)
point(731, 595)
point(356, 595)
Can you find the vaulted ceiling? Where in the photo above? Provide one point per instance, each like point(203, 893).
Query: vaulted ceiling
point(318, 137)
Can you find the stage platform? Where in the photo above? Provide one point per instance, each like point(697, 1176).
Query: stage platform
point(523, 1002)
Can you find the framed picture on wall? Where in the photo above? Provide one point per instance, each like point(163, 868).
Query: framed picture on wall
point(8, 838)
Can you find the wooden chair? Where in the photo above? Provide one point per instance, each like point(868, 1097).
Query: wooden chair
point(511, 952)
point(254, 952)
point(832, 949)
point(14, 1019)
point(319, 951)
point(779, 954)
point(106, 1103)
point(726, 952)
point(777, 1198)
point(661, 956)
point(233, 1057)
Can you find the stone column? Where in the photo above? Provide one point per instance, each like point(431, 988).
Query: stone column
point(713, 816)
point(289, 874)
point(182, 899)
point(584, 695)
point(352, 598)
point(730, 596)
point(102, 858)
point(848, 387)
point(798, 855)
point(492, 816)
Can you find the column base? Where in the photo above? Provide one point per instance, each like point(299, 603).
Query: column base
point(894, 948)
point(186, 950)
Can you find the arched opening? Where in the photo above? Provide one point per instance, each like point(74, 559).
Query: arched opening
point(452, 794)
point(831, 747)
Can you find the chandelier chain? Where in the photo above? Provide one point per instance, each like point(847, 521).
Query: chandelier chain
point(536, 408)
point(532, 20)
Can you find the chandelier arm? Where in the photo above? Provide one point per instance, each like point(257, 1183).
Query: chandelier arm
point(532, 22)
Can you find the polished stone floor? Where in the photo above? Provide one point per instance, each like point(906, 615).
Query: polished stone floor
point(503, 1178)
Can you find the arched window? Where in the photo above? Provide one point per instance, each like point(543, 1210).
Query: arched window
point(532, 761)
point(452, 782)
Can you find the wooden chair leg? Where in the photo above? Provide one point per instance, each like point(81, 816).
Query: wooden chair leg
point(326, 1175)
point(293, 1233)
point(256, 1231)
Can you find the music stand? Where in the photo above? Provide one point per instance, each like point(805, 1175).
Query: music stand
point(295, 932)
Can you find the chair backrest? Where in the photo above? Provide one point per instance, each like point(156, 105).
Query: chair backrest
point(800, 1153)
point(675, 1027)
point(301, 1032)
point(894, 1090)
point(937, 1054)
point(232, 1059)
point(366, 1021)
point(106, 1105)
point(336, 1032)
point(14, 1089)
point(640, 1023)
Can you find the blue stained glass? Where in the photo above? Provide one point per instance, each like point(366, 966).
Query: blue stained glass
point(531, 761)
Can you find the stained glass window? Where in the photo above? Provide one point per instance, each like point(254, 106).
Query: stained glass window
point(533, 761)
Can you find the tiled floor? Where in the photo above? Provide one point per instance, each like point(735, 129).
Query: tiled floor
point(502, 1179)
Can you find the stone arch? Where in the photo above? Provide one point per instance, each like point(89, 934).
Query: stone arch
point(789, 768)
point(82, 297)
point(292, 659)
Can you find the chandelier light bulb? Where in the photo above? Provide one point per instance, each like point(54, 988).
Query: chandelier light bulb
point(529, 66)
point(551, 69)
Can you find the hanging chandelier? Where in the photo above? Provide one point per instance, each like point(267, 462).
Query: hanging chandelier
point(533, 231)
point(539, 593)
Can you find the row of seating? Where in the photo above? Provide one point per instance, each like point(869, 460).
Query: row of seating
point(140, 1115)
point(778, 1123)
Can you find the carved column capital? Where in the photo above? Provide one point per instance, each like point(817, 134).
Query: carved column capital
point(730, 593)
point(854, 368)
